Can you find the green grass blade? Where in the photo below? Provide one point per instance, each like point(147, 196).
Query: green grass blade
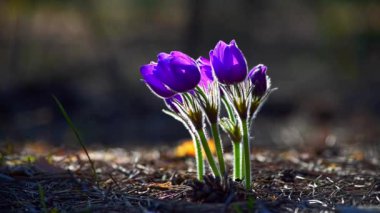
point(76, 133)
point(42, 198)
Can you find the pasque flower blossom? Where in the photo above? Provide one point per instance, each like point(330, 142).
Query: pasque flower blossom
point(258, 77)
point(208, 96)
point(178, 71)
point(173, 73)
point(228, 62)
point(174, 78)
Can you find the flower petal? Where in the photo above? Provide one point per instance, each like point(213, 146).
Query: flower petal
point(259, 79)
point(148, 73)
point(206, 72)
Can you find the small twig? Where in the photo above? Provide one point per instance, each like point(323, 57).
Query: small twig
point(116, 183)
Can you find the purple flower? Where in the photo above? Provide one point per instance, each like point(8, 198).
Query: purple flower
point(258, 76)
point(170, 102)
point(178, 71)
point(206, 72)
point(148, 72)
point(228, 62)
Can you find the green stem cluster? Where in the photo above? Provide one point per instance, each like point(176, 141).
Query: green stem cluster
point(238, 101)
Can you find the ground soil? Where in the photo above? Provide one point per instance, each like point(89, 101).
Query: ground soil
point(39, 178)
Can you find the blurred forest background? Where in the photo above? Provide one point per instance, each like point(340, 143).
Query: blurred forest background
point(324, 56)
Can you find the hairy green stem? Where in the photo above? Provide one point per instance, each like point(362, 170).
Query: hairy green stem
point(198, 158)
point(229, 109)
point(237, 159)
point(247, 161)
point(242, 161)
point(207, 150)
point(219, 147)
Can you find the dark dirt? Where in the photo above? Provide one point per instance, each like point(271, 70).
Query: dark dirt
point(344, 180)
